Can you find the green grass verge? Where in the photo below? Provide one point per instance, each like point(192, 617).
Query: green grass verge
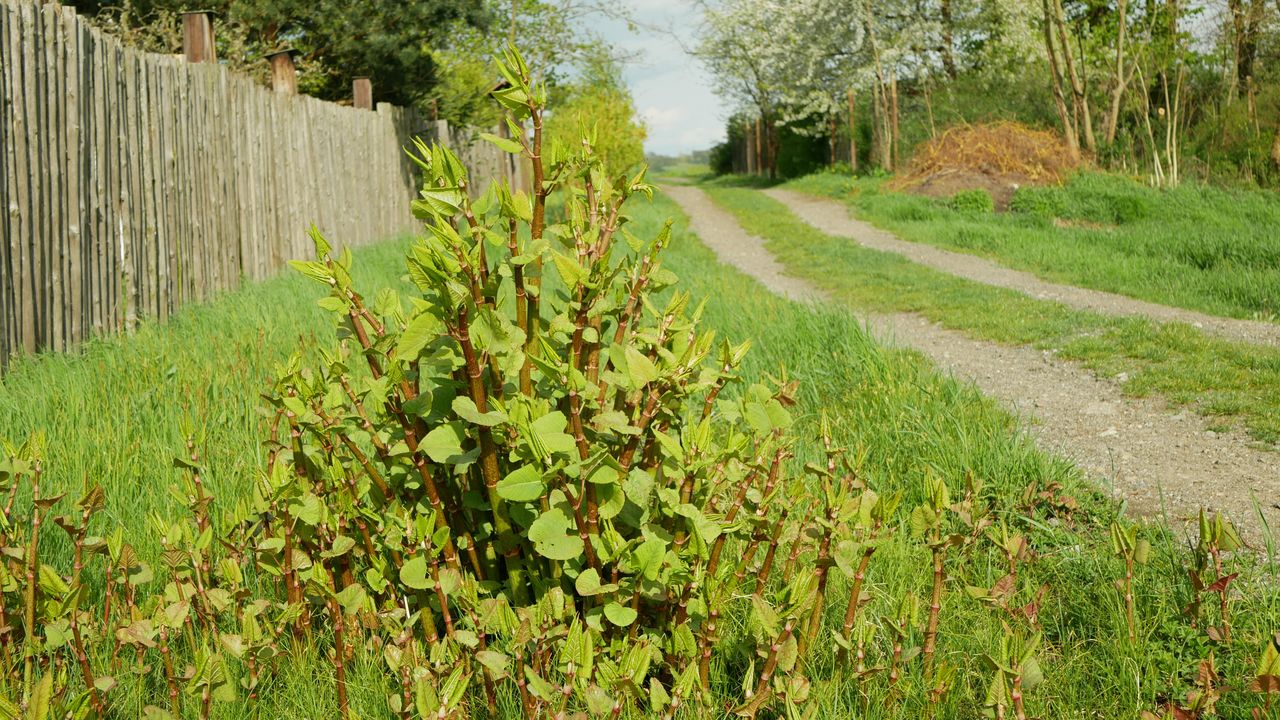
point(1229, 381)
point(116, 412)
point(1195, 246)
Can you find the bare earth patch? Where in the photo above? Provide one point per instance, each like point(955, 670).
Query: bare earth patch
point(1157, 461)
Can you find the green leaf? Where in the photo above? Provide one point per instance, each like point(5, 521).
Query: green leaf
point(649, 556)
point(550, 538)
point(441, 200)
point(341, 546)
point(352, 598)
point(422, 329)
point(307, 509)
point(570, 271)
point(1032, 675)
point(413, 574)
point(522, 485)
point(619, 615)
point(588, 583)
point(312, 269)
point(466, 409)
point(41, 698)
point(504, 144)
point(444, 443)
point(498, 663)
point(640, 369)
point(549, 430)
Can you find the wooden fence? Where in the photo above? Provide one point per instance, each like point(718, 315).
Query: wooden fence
point(133, 183)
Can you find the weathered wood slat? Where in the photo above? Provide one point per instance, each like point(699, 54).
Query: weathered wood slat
point(132, 183)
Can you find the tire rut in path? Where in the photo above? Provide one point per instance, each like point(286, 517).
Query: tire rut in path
point(1155, 459)
point(832, 217)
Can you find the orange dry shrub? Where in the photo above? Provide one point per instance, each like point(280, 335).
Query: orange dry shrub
point(1006, 149)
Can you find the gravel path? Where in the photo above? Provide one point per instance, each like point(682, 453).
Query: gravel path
point(832, 217)
point(1136, 448)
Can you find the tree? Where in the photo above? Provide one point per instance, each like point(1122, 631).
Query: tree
point(597, 106)
point(789, 60)
point(390, 42)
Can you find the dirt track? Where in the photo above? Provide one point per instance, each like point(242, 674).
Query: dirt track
point(1159, 461)
point(832, 218)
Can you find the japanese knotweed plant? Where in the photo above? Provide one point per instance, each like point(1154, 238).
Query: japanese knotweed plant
point(526, 465)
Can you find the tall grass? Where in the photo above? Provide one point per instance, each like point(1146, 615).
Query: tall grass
point(1231, 382)
point(1195, 246)
point(117, 412)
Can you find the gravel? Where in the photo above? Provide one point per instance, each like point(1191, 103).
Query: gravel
point(1160, 462)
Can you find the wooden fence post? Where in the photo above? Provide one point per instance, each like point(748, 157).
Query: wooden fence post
point(362, 93)
point(197, 36)
point(284, 75)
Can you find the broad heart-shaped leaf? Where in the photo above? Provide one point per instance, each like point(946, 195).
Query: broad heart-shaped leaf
point(619, 615)
point(649, 556)
point(1032, 675)
point(588, 583)
point(440, 200)
point(466, 409)
point(498, 663)
point(640, 369)
point(523, 484)
point(413, 574)
point(550, 538)
point(422, 329)
point(570, 271)
point(548, 430)
point(444, 442)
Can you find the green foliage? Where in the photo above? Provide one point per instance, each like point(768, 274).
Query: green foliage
point(598, 106)
point(462, 93)
point(391, 43)
point(1185, 366)
point(1195, 246)
point(977, 202)
point(1036, 201)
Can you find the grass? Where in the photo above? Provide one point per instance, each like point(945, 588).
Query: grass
point(1196, 247)
point(115, 412)
point(1233, 382)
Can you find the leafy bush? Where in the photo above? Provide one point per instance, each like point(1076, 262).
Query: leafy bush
point(600, 107)
point(977, 201)
point(521, 485)
point(1037, 201)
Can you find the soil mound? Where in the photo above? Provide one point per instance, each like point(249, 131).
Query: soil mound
point(997, 157)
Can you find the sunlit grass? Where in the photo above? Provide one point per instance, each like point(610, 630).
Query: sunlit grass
point(116, 413)
point(1195, 246)
point(1186, 366)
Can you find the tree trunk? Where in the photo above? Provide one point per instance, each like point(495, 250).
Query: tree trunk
point(853, 132)
point(895, 145)
point(832, 137)
point(1246, 19)
point(882, 135)
point(1120, 82)
point(1080, 99)
point(771, 147)
point(1275, 148)
point(760, 159)
point(1059, 97)
point(948, 40)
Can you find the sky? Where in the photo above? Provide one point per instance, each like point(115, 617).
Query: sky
point(672, 92)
